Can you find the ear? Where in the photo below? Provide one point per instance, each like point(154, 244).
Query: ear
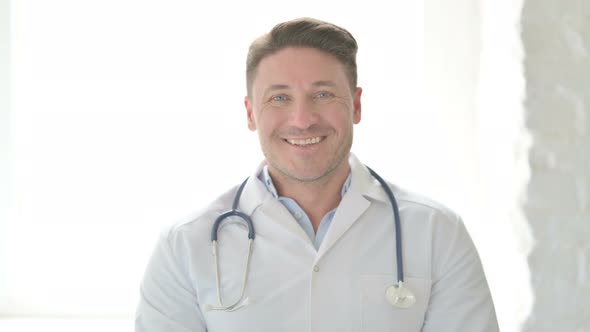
point(356, 115)
point(249, 114)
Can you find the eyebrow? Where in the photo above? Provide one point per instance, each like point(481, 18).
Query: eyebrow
point(324, 83)
point(316, 84)
point(275, 87)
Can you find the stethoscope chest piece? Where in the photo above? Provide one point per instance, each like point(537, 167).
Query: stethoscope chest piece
point(400, 296)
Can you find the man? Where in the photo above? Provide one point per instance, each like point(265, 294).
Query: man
point(323, 257)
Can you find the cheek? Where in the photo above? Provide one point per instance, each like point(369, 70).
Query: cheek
point(341, 118)
point(342, 107)
point(268, 124)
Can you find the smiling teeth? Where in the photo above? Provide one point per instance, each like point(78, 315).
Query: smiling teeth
point(303, 142)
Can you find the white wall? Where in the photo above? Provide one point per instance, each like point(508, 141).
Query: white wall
point(503, 169)
point(556, 39)
point(5, 144)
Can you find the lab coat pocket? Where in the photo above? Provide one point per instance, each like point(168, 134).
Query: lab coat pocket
point(379, 315)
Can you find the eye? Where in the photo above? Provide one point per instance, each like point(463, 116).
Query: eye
point(324, 95)
point(278, 98)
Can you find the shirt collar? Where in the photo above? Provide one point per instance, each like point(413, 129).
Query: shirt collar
point(361, 183)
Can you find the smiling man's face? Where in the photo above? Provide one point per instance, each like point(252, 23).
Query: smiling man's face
point(304, 110)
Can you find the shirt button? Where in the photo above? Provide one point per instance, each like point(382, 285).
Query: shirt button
point(316, 268)
point(298, 215)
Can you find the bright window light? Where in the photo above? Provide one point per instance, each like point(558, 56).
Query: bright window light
point(128, 115)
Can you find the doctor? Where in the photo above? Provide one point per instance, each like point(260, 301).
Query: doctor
point(323, 255)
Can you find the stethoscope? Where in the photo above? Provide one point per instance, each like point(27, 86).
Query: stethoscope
point(398, 295)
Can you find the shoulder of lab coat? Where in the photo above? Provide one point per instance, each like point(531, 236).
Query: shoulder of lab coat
point(460, 299)
point(168, 300)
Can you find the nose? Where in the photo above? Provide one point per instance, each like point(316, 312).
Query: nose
point(303, 115)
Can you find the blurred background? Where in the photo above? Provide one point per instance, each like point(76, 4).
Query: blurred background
point(119, 117)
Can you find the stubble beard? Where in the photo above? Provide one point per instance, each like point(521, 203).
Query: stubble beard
point(339, 157)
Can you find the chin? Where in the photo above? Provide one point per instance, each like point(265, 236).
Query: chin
point(306, 178)
point(309, 175)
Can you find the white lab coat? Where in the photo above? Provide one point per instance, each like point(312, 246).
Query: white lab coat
point(341, 287)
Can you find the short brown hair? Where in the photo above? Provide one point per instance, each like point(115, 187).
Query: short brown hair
point(304, 32)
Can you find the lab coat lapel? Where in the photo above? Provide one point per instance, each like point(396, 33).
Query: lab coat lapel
point(272, 212)
point(257, 202)
point(266, 211)
point(349, 211)
point(363, 190)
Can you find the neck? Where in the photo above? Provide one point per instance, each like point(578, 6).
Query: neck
point(317, 197)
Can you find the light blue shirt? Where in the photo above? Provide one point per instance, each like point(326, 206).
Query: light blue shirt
point(297, 212)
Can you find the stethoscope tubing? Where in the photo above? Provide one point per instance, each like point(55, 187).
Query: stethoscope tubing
point(397, 295)
point(234, 212)
point(397, 222)
point(252, 234)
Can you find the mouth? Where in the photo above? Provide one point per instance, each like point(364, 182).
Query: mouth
point(305, 141)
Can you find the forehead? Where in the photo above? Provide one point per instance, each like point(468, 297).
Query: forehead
point(298, 66)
